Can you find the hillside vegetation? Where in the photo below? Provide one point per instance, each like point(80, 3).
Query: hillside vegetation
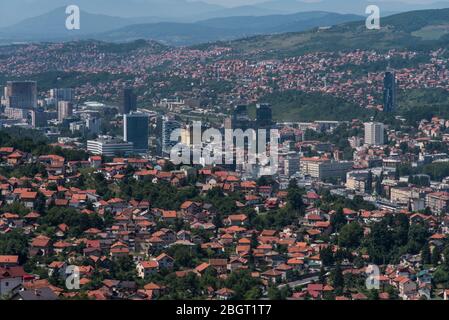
point(416, 30)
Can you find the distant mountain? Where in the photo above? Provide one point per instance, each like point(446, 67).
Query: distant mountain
point(241, 11)
point(348, 6)
point(14, 11)
point(415, 30)
point(170, 33)
point(280, 23)
point(225, 28)
point(357, 7)
point(51, 27)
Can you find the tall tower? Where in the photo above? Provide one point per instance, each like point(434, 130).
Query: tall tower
point(21, 94)
point(374, 133)
point(240, 117)
point(264, 117)
point(128, 101)
point(136, 130)
point(389, 91)
point(62, 94)
point(65, 110)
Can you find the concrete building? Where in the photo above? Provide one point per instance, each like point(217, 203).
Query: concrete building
point(62, 94)
point(438, 202)
point(291, 164)
point(108, 146)
point(16, 113)
point(319, 168)
point(21, 94)
point(408, 197)
point(93, 125)
point(357, 180)
point(65, 110)
point(374, 133)
point(40, 118)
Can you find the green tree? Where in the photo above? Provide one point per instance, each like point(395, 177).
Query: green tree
point(436, 255)
point(338, 280)
point(294, 197)
point(327, 256)
point(14, 243)
point(426, 255)
point(338, 220)
point(350, 235)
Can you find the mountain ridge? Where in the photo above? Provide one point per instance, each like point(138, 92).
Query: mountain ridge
point(412, 30)
point(192, 11)
point(51, 27)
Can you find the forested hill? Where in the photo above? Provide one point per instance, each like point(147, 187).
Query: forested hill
point(416, 30)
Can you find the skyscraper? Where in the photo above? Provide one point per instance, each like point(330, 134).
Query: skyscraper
point(240, 117)
point(38, 118)
point(136, 130)
point(264, 117)
point(374, 133)
point(389, 92)
point(62, 94)
point(128, 101)
point(21, 94)
point(93, 124)
point(65, 110)
point(291, 164)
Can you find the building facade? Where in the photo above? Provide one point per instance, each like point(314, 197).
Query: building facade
point(374, 133)
point(21, 94)
point(107, 146)
point(65, 110)
point(136, 130)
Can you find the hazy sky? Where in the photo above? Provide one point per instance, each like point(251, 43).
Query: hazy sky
point(233, 3)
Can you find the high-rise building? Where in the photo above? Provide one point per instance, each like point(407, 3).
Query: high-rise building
point(374, 133)
point(21, 94)
point(264, 117)
point(239, 118)
point(136, 130)
point(39, 118)
point(156, 133)
point(65, 110)
point(168, 126)
point(62, 94)
point(93, 124)
point(291, 164)
point(389, 92)
point(128, 101)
